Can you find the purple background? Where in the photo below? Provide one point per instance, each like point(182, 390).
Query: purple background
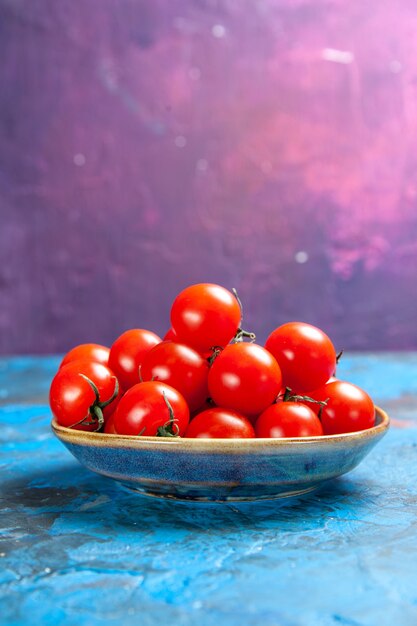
point(267, 145)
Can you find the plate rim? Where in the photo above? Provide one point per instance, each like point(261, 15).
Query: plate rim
point(182, 444)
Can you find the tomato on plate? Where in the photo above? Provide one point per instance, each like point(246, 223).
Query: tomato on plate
point(245, 378)
point(204, 316)
point(127, 353)
point(109, 426)
point(170, 335)
point(80, 404)
point(288, 419)
point(88, 351)
point(218, 423)
point(151, 409)
point(349, 408)
point(305, 354)
point(181, 367)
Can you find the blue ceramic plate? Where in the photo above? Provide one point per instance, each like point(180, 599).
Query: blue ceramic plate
point(222, 469)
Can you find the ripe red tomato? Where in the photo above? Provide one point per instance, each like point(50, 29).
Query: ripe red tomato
point(73, 400)
point(220, 423)
point(127, 353)
point(288, 419)
point(170, 335)
point(109, 426)
point(181, 367)
point(90, 352)
point(348, 409)
point(204, 316)
point(244, 377)
point(305, 354)
point(144, 410)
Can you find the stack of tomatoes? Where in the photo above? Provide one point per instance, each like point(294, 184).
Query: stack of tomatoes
point(208, 378)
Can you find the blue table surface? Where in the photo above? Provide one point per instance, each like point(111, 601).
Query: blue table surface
point(77, 549)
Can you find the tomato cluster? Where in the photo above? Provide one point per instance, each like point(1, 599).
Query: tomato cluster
point(207, 378)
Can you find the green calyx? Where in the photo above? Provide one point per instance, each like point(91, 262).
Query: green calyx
point(290, 397)
point(170, 428)
point(240, 333)
point(95, 412)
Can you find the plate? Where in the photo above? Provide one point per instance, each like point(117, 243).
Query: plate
point(222, 470)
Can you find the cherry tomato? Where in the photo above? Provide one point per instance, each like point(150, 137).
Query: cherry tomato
point(288, 419)
point(109, 426)
point(145, 409)
point(305, 354)
point(72, 398)
point(127, 353)
point(220, 423)
point(348, 409)
point(89, 351)
point(204, 316)
point(244, 377)
point(170, 335)
point(181, 367)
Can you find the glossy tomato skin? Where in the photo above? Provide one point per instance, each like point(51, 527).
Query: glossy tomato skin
point(245, 378)
point(305, 354)
point(217, 423)
point(204, 316)
point(349, 408)
point(71, 396)
point(181, 367)
point(142, 410)
point(170, 335)
point(89, 352)
point(288, 419)
point(127, 353)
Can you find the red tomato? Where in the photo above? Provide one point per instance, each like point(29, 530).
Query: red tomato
point(288, 419)
point(204, 316)
point(127, 353)
point(90, 352)
point(244, 377)
point(170, 335)
point(181, 367)
point(305, 354)
point(72, 398)
point(348, 409)
point(220, 424)
point(144, 410)
point(109, 426)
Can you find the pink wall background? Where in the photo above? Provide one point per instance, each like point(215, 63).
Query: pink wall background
point(149, 144)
